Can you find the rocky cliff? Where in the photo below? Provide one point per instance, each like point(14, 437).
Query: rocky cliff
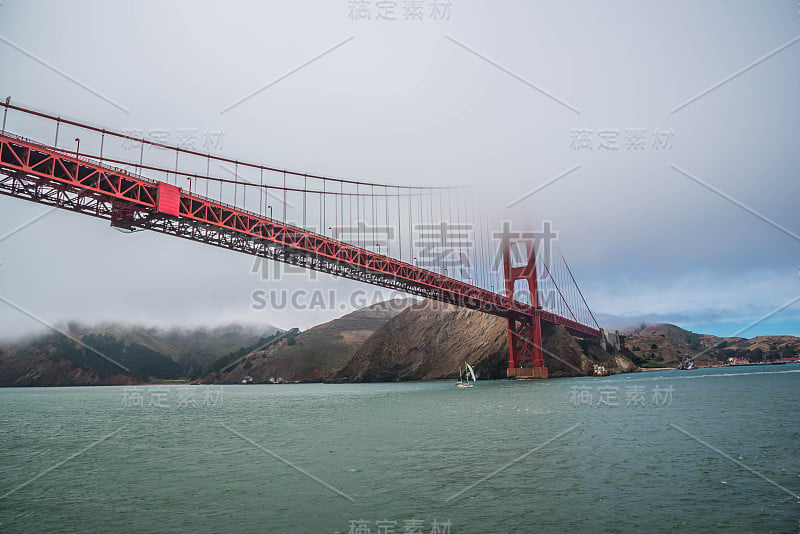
point(432, 340)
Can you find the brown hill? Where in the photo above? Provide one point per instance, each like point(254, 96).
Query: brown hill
point(395, 340)
point(431, 340)
point(317, 353)
point(399, 340)
point(665, 345)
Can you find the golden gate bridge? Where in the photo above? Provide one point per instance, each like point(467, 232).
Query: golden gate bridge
point(427, 241)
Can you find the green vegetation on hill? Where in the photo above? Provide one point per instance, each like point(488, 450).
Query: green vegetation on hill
point(89, 355)
point(218, 365)
point(665, 345)
point(380, 342)
point(723, 352)
point(142, 362)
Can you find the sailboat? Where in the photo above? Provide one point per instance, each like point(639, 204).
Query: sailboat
point(470, 377)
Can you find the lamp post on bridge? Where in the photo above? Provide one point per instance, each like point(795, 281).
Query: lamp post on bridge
point(5, 113)
point(78, 148)
point(270, 211)
point(189, 179)
point(379, 247)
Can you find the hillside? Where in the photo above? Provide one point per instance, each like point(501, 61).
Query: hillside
point(390, 341)
point(315, 354)
point(431, 340)
point(407, 340)
point(665, 345)
point(52, 359)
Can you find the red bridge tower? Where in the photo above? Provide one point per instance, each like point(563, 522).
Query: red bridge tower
point(524, 333)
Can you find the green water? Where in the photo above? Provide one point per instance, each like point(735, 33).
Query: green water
point(584, 454)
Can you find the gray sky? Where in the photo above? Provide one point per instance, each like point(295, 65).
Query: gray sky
point(506, 96)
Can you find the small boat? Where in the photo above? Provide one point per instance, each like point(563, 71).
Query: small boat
point(470, 377)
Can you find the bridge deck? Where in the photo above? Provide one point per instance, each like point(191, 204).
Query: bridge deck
point(47, 175)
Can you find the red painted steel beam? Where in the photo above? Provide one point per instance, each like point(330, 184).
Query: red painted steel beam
point(44, 174)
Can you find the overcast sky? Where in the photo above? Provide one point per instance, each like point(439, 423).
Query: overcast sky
point(697, 224)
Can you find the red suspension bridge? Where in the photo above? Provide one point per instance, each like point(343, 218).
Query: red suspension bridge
point(425, 241)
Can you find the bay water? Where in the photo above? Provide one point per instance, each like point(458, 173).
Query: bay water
point(710, 450)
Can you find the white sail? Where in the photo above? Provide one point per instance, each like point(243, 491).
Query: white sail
point(471, 371)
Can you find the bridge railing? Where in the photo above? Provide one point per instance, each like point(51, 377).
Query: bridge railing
point(425, 206)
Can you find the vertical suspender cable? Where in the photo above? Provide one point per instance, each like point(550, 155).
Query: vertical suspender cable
point(386, 199)
point(399, 226)
point(358, 217)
